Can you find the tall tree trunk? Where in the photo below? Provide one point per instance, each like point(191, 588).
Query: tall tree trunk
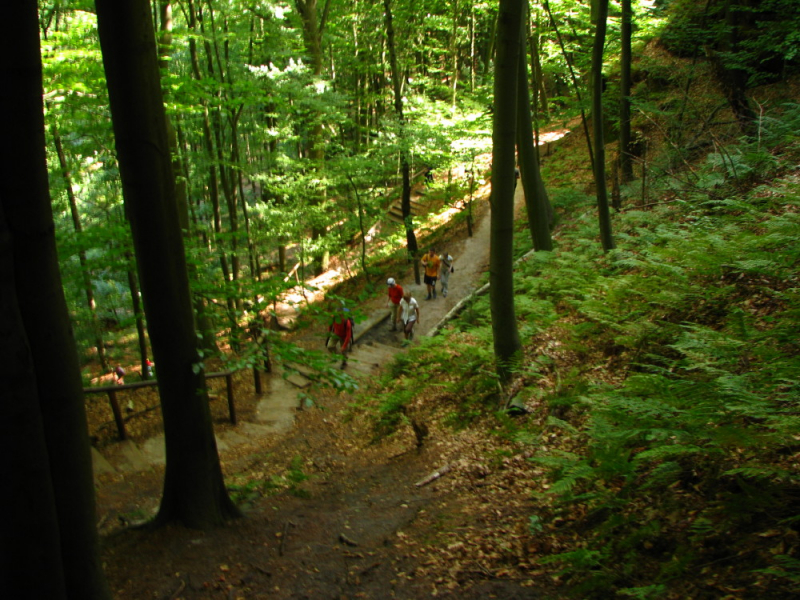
point(312, 37)
point(732, 76)
point(454, 50)
point(76, 223)
point(625, 158)
point(202, 315)
point(41, 395)
point(213, 181)
point(597, 122)
point(507, 345)
point(472, 56)
point(538, 86)
point(251, 250)
point(536, 198)
point(411, 238)
point(136, 303)
point(194, 490)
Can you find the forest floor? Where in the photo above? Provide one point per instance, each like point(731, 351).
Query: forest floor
point(332, 511)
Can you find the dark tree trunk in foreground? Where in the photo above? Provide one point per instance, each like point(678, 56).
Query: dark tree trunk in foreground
point(49, 544)
point(194, 491)
point(606, 237)
point(405, 169)
point(507, 344)
point(536, 199)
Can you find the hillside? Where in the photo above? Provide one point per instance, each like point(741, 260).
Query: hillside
point(656, 456)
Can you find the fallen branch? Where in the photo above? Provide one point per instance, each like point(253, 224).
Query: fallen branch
point(180, 589)
point(293, 272)
point(458, 309)
point(372, 567)
point(434, 476)
point(346, 540)
point(467, 300)
point(283, 537)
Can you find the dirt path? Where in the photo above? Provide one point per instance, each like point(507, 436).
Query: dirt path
point(329, 515)
point(276, 409)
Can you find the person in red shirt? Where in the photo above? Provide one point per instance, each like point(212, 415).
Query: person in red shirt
point(340, 334)
point(395, 295)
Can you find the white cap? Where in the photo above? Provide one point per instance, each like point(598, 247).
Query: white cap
point(390, 281)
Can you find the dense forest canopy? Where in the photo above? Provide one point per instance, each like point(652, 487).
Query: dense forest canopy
point(278, 110)
point(281, 111)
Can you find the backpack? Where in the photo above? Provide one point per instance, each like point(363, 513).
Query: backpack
point(348, 320)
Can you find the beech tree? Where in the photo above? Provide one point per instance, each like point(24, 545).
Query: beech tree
point(405, 168)
point(194, 491)
point(507, 345)
point(49, 544)
point(536, 199)
point(625, 158)
point(601, 15)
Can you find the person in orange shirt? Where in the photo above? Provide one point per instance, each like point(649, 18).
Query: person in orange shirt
point(395, 295)
point(431, 263)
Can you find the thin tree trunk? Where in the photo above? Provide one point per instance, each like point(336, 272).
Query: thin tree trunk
point(625, 158)
point(76, 223)
point(312, 34)
point(472, 56)
point(574, 79)
point(213, 181)
point(597, 121)
point(538, 87)
point(136, 303)
point(536, 198)
point(411, 238)
point(454, 50)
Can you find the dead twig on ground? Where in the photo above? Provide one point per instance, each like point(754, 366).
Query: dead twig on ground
point(284, 535)
point(434, 476)
point(178, 592)
point(346, 540)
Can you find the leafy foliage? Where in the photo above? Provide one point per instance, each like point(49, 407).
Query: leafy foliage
point(696, 305)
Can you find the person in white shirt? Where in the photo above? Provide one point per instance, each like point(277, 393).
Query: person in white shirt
point(445, 269)
point(410, 314)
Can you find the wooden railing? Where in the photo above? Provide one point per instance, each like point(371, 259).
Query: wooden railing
point(112, 390)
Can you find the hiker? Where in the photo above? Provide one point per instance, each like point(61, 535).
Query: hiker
point(395, 292)
point(445, 270)
point(428, 176)
point(340, 334)
point(410, 315)
point(431, 263)
point(119, 373)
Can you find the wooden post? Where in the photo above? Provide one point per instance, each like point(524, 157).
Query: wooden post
point(257, 380)
point(231, 407)
point(112, 398)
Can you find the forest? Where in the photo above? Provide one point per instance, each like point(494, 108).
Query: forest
point(606, 405)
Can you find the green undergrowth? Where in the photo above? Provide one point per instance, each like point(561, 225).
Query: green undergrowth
point(689, 372)
point(673, 364)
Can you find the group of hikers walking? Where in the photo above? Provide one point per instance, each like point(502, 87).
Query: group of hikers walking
point(405, 308)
